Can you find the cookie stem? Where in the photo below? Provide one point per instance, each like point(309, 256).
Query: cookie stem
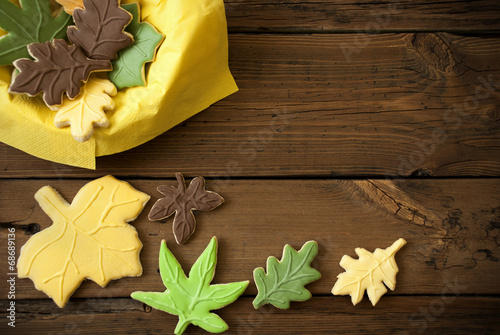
point(181, 325)
point(181, 181)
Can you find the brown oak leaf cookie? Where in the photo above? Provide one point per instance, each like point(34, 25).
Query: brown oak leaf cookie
point(99, 29)
point(57, 68)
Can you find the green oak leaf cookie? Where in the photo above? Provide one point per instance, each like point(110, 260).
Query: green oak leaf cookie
point(30, 23)
point(285, 279)
point(192, 298)
point(128, 67)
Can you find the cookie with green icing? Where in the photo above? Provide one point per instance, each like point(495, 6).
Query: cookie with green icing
point(31, 22)
point(285, 279)
point(128, 68)
point(192, 297)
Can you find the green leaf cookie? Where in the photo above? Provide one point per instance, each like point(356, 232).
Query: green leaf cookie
point(30, 23)
point(128, 68)
point(285, 279)
point(192, 298)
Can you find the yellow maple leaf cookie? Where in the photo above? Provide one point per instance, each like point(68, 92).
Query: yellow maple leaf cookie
point(89, 238)
point(86, 111)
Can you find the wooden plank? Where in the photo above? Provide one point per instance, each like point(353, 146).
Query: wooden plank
point(441, 314)
point(305, 110)
point(365, 16)
point(452, 228)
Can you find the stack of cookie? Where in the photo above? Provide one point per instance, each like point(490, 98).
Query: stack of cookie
point(78, 53)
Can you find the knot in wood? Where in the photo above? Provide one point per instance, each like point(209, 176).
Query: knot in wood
point(434, 51)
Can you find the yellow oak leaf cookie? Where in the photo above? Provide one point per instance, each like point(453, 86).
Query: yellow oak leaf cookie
point(87, 110)
point(70, 5)
point(370, 272)
point(89, 238)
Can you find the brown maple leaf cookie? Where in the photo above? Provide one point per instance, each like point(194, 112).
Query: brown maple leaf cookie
point(183, 202)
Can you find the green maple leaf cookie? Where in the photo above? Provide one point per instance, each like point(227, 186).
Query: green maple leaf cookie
point(192, 298)
point(285, 279)
point(128, 67)
point(30, 23)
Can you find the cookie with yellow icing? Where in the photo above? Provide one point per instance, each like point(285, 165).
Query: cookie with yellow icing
point(89, 238)
point(87, 110)
point(70, 5)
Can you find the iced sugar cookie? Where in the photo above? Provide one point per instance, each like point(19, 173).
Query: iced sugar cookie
point(192, 298)
point(128, 68)
point(100, 29)
point(183, 202)
point(285, 279)
point(89, 238)
point(370, 272)
point(87, 110)
point(58, 67)
point(30, 22)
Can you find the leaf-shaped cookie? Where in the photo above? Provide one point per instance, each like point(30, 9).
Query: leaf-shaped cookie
point(87, 110)
point(89, 238)
point(70, 5)
point(192, 298)
point(30, 23)
point(99, 29)
point(182, 202)
point(128, 67)
point(58, 67)
point(285, 279)
point(370, 272)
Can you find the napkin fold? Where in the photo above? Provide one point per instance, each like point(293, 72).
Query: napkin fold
point(189, 74)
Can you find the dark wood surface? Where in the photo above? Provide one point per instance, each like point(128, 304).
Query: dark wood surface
point(333, 16)
point(340, 133)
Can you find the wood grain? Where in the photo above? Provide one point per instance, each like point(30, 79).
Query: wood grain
point(364, 15)
point(442, 314)
point(336, 99)
point(421, 104)
point(452, 228)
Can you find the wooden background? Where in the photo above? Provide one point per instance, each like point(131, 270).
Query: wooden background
point(356, 123)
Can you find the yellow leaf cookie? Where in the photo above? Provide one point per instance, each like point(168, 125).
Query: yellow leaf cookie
point(87, 110)
point(370, 272)
point(88, 239)
point(70, 5)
